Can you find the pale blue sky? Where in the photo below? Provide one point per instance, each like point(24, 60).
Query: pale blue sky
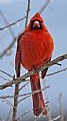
point(55, 17)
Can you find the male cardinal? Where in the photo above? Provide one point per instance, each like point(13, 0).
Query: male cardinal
point(34, 48)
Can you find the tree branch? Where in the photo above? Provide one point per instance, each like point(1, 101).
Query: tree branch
point(12, 24)
point(23, 78)
point(8, 48)
point(61, 108)
point(24, 114)
point(6, 73)
point(56, 72)
point(28, 9)
point(6, 22)
point(44, 6)
point(26, 94)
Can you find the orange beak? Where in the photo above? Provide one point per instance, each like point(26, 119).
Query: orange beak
point(36, 24)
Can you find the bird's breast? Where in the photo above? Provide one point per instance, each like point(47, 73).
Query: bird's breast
point(33, 50)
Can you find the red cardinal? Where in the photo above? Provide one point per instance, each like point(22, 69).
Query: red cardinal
point(34, 48)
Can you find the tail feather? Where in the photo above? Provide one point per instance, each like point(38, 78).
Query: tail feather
point(38, 101)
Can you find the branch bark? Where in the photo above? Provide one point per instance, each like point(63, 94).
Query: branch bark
point(12, 24)
point(28, 9)
point(23, 78)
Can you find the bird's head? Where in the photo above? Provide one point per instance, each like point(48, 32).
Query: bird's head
point(36, 22)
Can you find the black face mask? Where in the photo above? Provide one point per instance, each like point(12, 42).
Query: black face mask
point(35, 27)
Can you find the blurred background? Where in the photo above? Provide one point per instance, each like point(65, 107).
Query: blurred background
point(55, 19)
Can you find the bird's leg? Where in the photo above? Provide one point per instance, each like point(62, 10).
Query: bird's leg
point(35, 69)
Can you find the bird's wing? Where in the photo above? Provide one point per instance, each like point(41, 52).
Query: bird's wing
point(18, 57)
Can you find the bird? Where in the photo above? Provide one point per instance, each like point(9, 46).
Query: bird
point(35, 46)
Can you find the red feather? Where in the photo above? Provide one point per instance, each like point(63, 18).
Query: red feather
point(35, 47)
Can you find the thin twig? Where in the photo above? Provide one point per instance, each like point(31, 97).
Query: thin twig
point(44, 6)
point(24, 114)
point(8, 48)
point(48, 105)
point(28, 9)
point(9, 103)
point(4, 78)
point(23, 98)
point(56, 118)
point(23, 78)
point(10, 111)
point(9, 115)
point(6, 22)
point(23, 86)
point(12, 24)
point(61, 108)
point(26, 94)
point(56, 72)
point(6, 73)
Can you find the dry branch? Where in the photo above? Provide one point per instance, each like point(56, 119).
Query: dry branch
point(11, 31)
point(56, 72)
point(56, 118)
point(15, 102)
point(44, 6)
point(23, 99)
point(48, 105)
point(23, 78)
point(22, 95)
point(12, 24)
point(7, 23)
point(8, 48)
point(6, 73)
point(4, 78)
point(24, 114)
point(61, 108)
point(23, 86)
point(28, 9)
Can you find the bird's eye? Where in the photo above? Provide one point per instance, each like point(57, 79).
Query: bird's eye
point(36, 25)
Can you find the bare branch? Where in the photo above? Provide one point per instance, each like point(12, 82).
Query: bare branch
point(6, 22)
point(23, 78)
point(23, 99)
point(27, 94)
point(6, 73)
point(56, 72)
point(28, 9)
point(8, 48)
point(56, 118)
point(10, 111)
point(24, 114)
point(12, 24)
point(51, 63)
point(48, 105)
point(23, 86)
point(9, 103)
point(4, 78)
point(61, 108)
point(15, 102)
point(44, 6)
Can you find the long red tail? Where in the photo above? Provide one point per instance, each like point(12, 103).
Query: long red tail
point(38, 101)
